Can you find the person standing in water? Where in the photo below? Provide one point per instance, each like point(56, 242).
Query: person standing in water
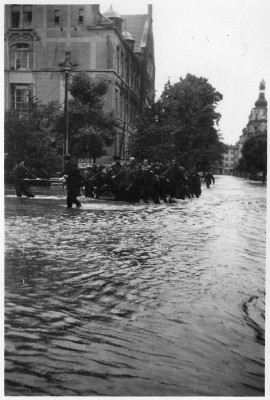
point(208, 179)
point(73, 180)
point(20, 174)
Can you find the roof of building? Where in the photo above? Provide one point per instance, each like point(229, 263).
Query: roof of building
point(261, 102)
point(136, 25)
point(127, 35)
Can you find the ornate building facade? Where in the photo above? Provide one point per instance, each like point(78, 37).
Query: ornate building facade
point(42, 41)
point(257, 123)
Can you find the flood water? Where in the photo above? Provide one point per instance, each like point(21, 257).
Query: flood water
point(136, 299)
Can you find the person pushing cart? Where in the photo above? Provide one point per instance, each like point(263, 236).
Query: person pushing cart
point(20, 176)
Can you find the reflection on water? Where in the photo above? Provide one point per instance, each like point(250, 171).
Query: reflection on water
point(123, 299)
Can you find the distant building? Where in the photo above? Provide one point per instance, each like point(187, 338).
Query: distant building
point(42, 40)
point(228, 161)
point(226, 166)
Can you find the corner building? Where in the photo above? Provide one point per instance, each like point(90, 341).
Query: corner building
point(41, 40)
point(257, 123)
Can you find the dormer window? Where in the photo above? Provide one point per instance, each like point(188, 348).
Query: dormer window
point(56, 16)
point(81, 16)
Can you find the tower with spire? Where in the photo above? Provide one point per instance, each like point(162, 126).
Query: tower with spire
point(115, 17)
point(258, 116)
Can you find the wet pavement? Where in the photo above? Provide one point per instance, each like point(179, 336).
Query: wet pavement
point(136, 299)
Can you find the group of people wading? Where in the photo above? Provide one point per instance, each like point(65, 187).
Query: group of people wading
point(132, 182)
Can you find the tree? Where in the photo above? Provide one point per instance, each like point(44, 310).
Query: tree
point(254, 154)
point(151, 139)
point(32, 137)
point(90, 128)
point(183, 125)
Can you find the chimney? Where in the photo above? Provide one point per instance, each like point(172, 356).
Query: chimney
point(150, 10)
point(95, 8)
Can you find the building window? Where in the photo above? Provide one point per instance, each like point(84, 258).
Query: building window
point(137, 83)
point(121, 106)
point(127, 68)
point(132, 78)
point(15, 16)
point(21, 57)
point(116, 101)
point(117, 59)
point(150, 67)
point(81, 16)
point(56, 17)
point(27, 16)
point(20, 97)
point(122, 65)
point(21, 16)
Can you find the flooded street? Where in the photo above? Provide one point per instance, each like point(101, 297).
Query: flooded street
point(136, 299)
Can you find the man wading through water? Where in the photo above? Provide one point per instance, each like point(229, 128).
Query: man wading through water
point(74, 181)
point(20, 173)
point(208, 179)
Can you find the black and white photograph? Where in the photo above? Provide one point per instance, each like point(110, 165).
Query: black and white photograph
point(134, 153)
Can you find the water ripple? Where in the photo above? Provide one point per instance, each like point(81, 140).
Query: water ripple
point(123, 299)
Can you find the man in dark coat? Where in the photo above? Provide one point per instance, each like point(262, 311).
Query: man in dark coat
point(89, 182)
point(116, 171)
point(73, 180)
point(127, 182)
point(174, 175)
point(116, 166)
point(195, 183)
point(20, 173)
point(149, 185)
point(208, 179)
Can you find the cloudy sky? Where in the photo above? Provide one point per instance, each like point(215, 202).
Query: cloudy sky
point(225, 41)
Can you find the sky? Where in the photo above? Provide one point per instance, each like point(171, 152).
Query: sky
point(225, 41)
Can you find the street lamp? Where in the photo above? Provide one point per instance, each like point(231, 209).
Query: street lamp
point(66, 67)
point(67, 70)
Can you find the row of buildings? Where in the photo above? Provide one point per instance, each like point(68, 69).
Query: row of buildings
point(257, 124)
point(45, 42)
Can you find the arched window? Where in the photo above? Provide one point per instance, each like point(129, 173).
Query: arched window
point(21, 57)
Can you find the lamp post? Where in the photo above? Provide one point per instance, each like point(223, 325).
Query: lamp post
point(67, 70)
point(66, 67)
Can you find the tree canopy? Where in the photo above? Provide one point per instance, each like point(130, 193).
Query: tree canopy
point(37, 136)
point(182, 124)
point(90, 128)
point(254, 154)
point(32, 137)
